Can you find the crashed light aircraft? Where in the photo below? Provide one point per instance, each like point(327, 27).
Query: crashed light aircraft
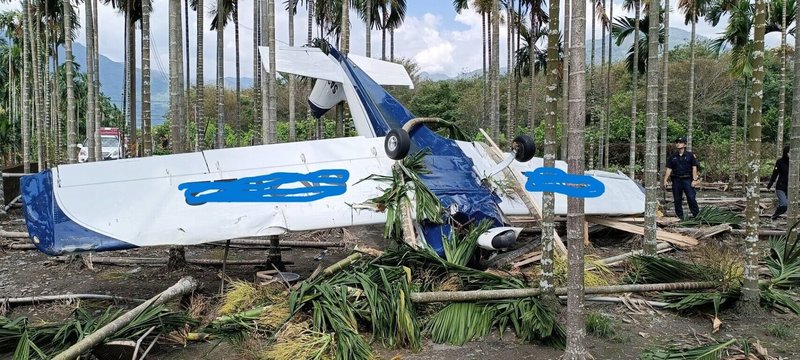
point(213, 195)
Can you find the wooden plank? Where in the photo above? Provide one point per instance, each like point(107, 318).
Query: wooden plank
point(672, 238)
point(536, 257)
point(526, 197)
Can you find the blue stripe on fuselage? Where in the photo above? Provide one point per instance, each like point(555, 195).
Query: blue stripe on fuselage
point(451, 179)
point(54, 232)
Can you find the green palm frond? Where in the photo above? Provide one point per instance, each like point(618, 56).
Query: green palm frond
point(711, 351)
point(711, 215)
point(655, 269)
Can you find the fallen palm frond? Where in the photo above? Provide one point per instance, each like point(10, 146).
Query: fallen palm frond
point(43, 341)
point(460, 249)
point(654, 269)
point(403, 185)
point(298, 341)
point(459, 323)
point(244, 295)
point(599, 275)
point(711, 215)
point(600, 324)
point(711, 351)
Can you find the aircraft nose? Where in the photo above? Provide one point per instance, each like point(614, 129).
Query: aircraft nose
point(498, 238)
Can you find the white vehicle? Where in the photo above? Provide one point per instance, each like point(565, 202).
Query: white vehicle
point(110, 142)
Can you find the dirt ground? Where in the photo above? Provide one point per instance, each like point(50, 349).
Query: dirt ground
point(31, 273)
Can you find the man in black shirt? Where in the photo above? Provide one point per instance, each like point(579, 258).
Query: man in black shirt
point(682, 170)
point(781, 173)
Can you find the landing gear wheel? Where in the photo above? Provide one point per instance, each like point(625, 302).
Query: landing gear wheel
point(525, 148)
point(396, 144)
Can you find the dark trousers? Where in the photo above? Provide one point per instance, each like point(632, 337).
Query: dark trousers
point(679, 187)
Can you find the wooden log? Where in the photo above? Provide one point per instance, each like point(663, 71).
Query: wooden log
point(477, 295)
point(183, 286)
point(9, 205)
point(21, 246)
point(10, 175)
point(675, 239)
point(705, 232)
point(341, 264)
point(760, 232)
point(13, 234)
point(536, 257)
point(618, 258)
point(69, 297)
point(504, 259)
point(516, 179)
point(289, 243)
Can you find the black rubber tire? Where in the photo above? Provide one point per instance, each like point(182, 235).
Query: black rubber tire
point(396, 144)
point(525, 148)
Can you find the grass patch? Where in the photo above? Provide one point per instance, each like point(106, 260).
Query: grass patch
point(601, 325)
point(780, 331)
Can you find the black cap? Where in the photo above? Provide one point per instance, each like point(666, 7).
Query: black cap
point(681, 139)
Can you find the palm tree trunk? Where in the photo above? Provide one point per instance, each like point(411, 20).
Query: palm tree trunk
point(664, 99)
point(550, 149)
point(130, 42)
point(782, 93)
point(90, 119)
point(25, 85)
point(510, 126)
point(199, 78)
point(745, 112)
point(33, 34)
point(690, 130)
point(606, 130)
point(531, 66)
point(44, 44)
point(651, 136)
point(55, 109)
point(368, 28)
point(147, 142)
point(494, 72)
point(750, 290)
point(98, 113)
point(383, 41)
point(175, 86)
point(220, 143)
point(794, 156)
point(272, 108)
point(263, 40)
point(576, 326)
point(485, 43)
point(238, 78)
point(391, 42)
point(634, 91)
point(732, 170)
point(188, 65)
point(565, 79)
point(257, 71)
point(318, 127)
point(292, 115)
point(72, 138)
point(602, 126)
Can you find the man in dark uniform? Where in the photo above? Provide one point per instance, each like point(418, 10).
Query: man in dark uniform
point(682, 170)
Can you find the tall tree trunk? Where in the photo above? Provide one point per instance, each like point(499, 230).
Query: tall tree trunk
point(188, 66)
point(383, 42)
point(220, 143)
point(264, 41)
point(147, 140)
point(130, 42)
point(602, 126)
point(606, 130)
point(565, 79)
point(510, 126)
point(368, 28)
point(344, 46)
point(550, 149)
point(33, 34)
point(272, 108)
point(44, 43)
point(238, 78)
point(318, 131)
point(391, 44)
point(257, 71)
point(531, 66)
point(750, 290)
point(651, 136)
point(576, 325)
point(177, 105)
point(98, 113)
point(90, 118)
point(782, 93)
point(732, 170)
point(199, 79)
point(494, 73)
point(664, 98)
point(634, 91)
point(25, 85)
point(72, 138)
point(485, 43)
point(292, 123)
point(690, 130)
point(55, 110)
point(794, 155)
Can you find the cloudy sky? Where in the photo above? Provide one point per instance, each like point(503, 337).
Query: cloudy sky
point(439, 39)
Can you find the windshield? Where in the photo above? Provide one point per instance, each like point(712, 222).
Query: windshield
point(108, 141)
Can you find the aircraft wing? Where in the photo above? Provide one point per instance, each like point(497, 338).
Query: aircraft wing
point(313, 63)
point(621, 196)
point(213, 195)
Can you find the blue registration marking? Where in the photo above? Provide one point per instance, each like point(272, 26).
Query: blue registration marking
point(269, 188)
point(547, 179)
